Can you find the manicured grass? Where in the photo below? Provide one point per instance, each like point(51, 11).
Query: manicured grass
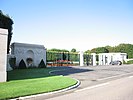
point(32, 81)
point(130, 62)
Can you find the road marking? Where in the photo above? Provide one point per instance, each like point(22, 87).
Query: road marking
point(92, 87)
point(130, 77)
point(113, 77)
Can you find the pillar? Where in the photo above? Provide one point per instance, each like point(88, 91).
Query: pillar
point(3, 54)
point(100, 59)
point(81, 58)
point(94, 59)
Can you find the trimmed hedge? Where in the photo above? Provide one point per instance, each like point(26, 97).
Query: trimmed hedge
point(22, 65)
point(42, 64)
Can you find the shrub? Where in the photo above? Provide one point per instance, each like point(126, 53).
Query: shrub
point(42, 64)
point(22, 64)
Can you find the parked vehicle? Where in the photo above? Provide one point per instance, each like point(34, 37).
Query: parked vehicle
point(116, 62)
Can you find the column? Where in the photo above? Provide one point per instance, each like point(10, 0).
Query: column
point(81, 58)
point(100, 59)
point(3, 54)
point(94, 59)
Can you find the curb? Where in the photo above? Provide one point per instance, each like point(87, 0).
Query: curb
point(44, 94)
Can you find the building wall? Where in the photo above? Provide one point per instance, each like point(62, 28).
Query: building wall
point(3, 54)
point(24, 51)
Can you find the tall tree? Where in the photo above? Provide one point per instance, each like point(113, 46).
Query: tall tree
point(73, 50)
point(100, 50)
point(123, 48)
point(88, 51)
point(93, 50)
point(6, 22)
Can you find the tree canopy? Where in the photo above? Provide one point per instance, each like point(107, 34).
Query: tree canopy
point(88, 51)
point(100, 50)
point(123, 48)
point(6, 22)
point(73, 50)
point(58, 50)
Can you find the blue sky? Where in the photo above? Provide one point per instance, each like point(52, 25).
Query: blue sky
point(67, 24)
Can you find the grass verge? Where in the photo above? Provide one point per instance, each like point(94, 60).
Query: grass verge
point(32, 81)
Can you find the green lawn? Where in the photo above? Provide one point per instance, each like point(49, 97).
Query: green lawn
point(32, 81)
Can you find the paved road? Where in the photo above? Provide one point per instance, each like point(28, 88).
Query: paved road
point(121, 89)
point(93, 76)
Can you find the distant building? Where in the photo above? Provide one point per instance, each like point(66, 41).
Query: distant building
point(106, 58)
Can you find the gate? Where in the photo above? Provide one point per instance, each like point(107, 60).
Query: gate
point(88, 59)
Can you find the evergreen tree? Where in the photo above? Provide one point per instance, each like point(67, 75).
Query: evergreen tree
point(42, 64)
point(6, 22)
point(22, 65)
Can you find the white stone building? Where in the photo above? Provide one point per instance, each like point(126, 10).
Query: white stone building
point(32, 54)
point(106, 58)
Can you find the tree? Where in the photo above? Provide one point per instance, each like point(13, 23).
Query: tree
point(64, 56)
point(22, 65)
point(99, 50)
point(73, 50)
point(123, 48)
point(88, 51)
point(109, 48)
point(58, 50)
point(93, 50)
point(6, 22)
point(102, 50)
point(42, 64)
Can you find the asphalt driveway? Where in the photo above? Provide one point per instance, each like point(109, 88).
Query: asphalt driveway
point(88, 76)
point(91, 75)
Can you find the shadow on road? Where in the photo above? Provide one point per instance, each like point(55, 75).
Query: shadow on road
point(69, 70)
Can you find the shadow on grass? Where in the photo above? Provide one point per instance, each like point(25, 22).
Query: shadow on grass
point(20, 74)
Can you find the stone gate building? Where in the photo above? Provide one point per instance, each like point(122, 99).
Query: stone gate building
point(32, 54)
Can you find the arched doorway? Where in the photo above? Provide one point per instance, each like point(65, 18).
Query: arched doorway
point(30, 58)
